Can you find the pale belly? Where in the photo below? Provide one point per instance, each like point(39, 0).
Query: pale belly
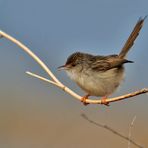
point(100, 83)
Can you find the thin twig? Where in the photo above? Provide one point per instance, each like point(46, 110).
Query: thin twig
point(42, 78)
point(111, 130)
point(60, 84)
point(27, 50)
point(130, 131)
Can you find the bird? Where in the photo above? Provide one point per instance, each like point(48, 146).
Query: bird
point(100, 75)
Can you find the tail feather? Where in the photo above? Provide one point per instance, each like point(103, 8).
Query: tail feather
point(130, 41)
point(127, 61)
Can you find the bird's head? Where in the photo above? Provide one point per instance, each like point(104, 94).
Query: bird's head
point(73, 62)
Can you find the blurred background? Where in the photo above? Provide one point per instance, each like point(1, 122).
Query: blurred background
point(36, 114)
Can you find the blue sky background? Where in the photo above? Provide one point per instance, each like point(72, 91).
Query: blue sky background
point(36, 114)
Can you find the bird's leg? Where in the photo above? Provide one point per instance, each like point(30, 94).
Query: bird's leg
point(84, 98)
point(103, 101)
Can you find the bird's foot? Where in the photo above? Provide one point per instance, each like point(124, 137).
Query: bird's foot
point(83, 100)
point(103, 101)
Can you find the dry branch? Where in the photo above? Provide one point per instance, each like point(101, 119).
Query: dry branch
point(130, 131)
point(114, 131)
point(57, 83)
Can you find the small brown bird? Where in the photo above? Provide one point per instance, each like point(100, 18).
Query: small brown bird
point(100, 75)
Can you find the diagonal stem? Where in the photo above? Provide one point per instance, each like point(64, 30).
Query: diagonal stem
point(35, 57)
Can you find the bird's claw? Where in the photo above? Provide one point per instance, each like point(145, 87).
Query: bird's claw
point(104, 102)
point(83, 100)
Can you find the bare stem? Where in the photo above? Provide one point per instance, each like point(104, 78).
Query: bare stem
point(27, 50)
point(113, 130)
point(59, 84)
point(130, 131)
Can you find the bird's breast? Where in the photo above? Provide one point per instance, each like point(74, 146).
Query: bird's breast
point(98, 83)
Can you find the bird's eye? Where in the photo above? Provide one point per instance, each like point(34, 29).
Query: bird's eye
point(73, 65)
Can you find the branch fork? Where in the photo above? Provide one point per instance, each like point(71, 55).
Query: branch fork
point(58, 83)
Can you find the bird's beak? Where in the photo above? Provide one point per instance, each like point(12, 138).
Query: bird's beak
point(63, 67)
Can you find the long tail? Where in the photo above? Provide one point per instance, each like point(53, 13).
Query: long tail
point(130, 41)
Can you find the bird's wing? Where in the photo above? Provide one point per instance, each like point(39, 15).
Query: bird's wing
point(109, 62)
point(130, 41)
